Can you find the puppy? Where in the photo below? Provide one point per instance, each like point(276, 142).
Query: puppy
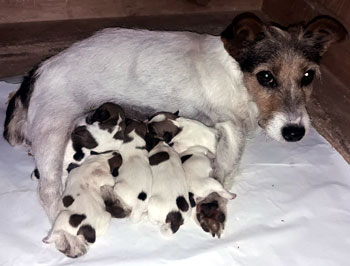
point(134, 180)
point(182, 133)
point(169, 203)
point(96, 132)
point(82, 216)
point(196, 144)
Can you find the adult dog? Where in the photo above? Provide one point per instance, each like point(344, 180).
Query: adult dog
point(253, 74)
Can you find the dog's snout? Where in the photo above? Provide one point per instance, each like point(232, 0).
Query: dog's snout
point(293, 132)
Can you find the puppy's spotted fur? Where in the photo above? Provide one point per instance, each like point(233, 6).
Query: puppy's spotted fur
point(82, 214)
point(134, 181)
point(169, 203)
point(196, 144)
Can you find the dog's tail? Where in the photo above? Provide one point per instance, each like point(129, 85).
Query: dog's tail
point(17, 108)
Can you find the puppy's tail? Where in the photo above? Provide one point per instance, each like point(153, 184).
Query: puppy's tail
point(139, 209)
point(172, 224)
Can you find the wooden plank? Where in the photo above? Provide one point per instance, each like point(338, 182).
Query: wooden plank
point(13, 11)
point(22, 45)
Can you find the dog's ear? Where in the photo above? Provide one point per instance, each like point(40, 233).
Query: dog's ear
point(176, 113)
point(325, 30)
point(244, 31)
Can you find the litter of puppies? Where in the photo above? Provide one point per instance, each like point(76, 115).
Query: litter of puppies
point(120, 167)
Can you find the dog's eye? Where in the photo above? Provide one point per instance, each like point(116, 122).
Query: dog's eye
point(266, 79)
point(307, 78)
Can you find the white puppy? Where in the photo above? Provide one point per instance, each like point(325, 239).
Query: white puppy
point(134, 181)
point(168, 205)
point(82, 216)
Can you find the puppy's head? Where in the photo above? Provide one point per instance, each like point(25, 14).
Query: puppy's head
point(108, 115)
point(279, 65)
point(163, 126)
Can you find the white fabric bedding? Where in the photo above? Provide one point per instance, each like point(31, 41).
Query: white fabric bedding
point(292, 208)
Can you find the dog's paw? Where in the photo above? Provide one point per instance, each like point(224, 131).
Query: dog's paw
point(70, 245)
point(211, 214)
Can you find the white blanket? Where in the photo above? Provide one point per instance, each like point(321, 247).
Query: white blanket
point(292, 208)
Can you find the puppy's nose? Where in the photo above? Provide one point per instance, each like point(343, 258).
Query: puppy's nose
point(293, 132)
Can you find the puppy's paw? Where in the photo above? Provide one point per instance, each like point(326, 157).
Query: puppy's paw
point(211, 214)
point(70, 245)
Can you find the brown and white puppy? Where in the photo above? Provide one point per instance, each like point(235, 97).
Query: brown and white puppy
point(96, 132)
point(83, 216)
point(196, 143)
point(169, 204)
point(134, 182)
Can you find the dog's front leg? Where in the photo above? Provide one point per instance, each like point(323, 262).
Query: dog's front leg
point(48, 147)
point(211, 212)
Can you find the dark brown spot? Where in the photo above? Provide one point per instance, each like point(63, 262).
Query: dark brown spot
point(191, 198)
point(114, 163)
point(158, 158)
point(185, 157)
point(82, 138)
point(76, 219)
point(134, 125)
point(36, 173)
point(166, 129)
point(67, 201)
point(182, 203)
point(71, 166)
point(115, 209)
point(88, 232)
point(108, 115)
point(175, 219)
point(142, 196)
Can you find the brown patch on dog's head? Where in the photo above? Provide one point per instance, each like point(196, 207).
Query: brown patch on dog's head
point(82, 138)
point(279, 65)
point(108, 115)
point(162, 125)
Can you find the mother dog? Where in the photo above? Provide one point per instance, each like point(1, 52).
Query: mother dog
point(255, 74)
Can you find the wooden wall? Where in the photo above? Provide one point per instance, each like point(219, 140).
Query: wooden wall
point(13, 11)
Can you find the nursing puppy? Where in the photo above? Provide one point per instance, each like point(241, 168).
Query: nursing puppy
point(196, 144)
point(169, 204)
point(255, 73)
point(134, 180)
point(95, 132)
point(82, 212)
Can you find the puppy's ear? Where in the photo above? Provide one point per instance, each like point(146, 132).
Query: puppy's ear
point(325, 30)
point(244, 31)
point(100, 115)
point(177, 113)
point(114, 163)
point(81, 137)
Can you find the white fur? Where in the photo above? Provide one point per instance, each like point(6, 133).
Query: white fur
point(83, 184)
point(169, 182)
point(150, 70)
point(194, 133)
point(105, 141)
point(134, 177)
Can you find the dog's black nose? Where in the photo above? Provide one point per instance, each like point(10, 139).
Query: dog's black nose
point(293, 132)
